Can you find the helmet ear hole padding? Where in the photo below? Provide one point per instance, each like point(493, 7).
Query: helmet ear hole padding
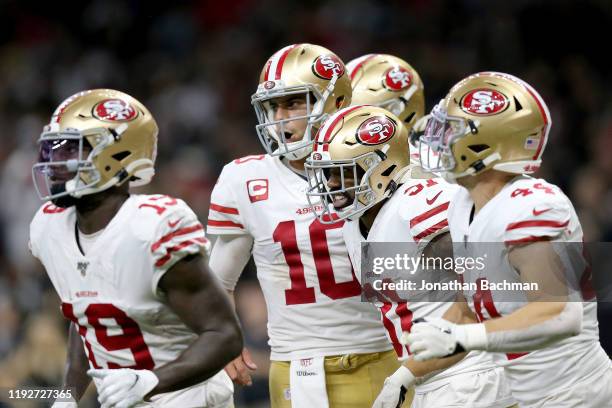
point(340, 101)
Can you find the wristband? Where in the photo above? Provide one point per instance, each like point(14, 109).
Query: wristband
point(403, 376)
point(472, 336)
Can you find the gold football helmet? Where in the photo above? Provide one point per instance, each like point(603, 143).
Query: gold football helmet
point(367, 147)
point(96, 139)
point(389, 82)
point(300, 69)
point(489, 120)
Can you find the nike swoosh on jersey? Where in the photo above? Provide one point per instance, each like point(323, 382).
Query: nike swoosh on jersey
point(536, 213)
point(430, 202)
point(174, 224)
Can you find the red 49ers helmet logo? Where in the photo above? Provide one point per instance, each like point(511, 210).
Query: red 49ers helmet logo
point(325, 66)
point(484, 102)
point(397, 78)
point(114, 110)
point(376, 130)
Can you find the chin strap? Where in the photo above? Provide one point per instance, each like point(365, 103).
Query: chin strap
point(475, 167)
point(317, 109)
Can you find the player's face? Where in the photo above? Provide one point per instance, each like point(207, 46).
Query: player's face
point(66, 152)
point(287, 107)
point(335, 180)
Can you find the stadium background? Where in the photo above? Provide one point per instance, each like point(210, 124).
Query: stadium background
point(196, 64)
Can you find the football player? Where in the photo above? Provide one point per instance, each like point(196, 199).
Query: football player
point(148, 319)
point(327, 347)
point(490, 132)
point(360, 166)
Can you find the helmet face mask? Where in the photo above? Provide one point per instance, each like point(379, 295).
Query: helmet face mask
point(329, 179)
point(272, 131)
point(360, 154)
point(65, 165)
point(310, 72)
point(441, 132)
point(95, 140)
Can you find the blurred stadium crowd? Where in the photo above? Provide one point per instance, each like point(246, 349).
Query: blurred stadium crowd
point(195, 66)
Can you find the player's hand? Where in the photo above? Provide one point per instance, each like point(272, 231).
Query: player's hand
point(238, 369)
point(394, 391)
point(436, 337)
point(123, 387)
point(431, 338)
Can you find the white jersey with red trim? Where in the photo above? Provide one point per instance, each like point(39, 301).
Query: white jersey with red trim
point(312, 294)
point(417, 213)
point(527, 210)
point(111, 293)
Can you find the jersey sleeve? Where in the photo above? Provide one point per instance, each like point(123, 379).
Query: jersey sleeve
point(427, 213)
point(39, 225)
point(32, 240)
point(178, 234)
point(535, 214)
point(224, 217)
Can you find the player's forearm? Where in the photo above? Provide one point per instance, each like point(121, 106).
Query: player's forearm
point(203, 359)
point(195, 295)
point(534, 326)
point(460, 313)
point(76, 377)
point(425, 369)
point(229, 256)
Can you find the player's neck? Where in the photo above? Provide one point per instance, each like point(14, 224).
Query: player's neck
point(95, 211)
point(485, 186)
point(298, 164)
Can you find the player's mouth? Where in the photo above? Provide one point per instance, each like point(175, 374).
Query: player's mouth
point(341, 200)
point(60, 176)
point(288, 136)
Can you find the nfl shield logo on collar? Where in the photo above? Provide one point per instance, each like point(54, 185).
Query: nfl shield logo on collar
point(82, 267)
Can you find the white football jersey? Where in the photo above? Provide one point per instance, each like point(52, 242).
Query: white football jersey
point(111, 293)
point(312, 294)
point(417, 213)
point(526, 210)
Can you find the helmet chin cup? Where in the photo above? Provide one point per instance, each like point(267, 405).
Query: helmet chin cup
point(62, 200)
point(299, 153)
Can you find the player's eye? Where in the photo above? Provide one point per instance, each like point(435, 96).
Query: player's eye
point(295, 103)
point(273, 106)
